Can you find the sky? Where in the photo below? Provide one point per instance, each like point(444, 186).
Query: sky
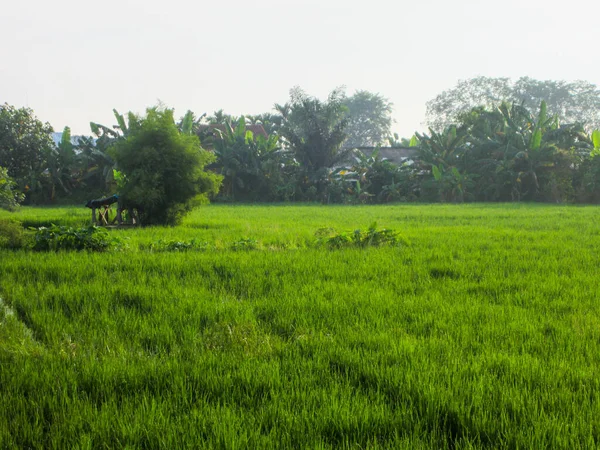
point(73, 61)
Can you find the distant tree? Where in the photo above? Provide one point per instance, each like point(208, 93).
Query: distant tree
point(220, 117)
point(25, 143)
point(163, 169)
point(515, 153)
point(189, 123)
point(577, 101)
point(62, 165)
point(253, 167)
point(9, 196)
point(315, 130)
point(369, 119)
point(270, 122)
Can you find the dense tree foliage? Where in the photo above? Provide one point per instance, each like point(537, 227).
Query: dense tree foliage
point(25, 145)
point(9, 196)
point(489, 150)
point(577, 101)
point(163, 168)
point(253, 167)
point(369, 119)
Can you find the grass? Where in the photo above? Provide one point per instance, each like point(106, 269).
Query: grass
point(482, 332)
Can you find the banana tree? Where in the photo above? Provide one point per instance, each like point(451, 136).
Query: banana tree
point(518, 155)
point(251, 165)
point(61, 163)
point(443, 155)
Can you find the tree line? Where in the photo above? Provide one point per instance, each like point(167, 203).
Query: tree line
point(488, 140)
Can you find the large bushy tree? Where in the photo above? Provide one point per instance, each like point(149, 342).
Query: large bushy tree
point(577, 101)
point(315, 130)
point(9, 196)
point(25, 144)
point(163, 168)
point(369, 119)
point(253, 167)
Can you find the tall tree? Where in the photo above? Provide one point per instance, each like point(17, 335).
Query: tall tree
point(369, 119)
point(315, 130)
point(252, 166)
point(577, 101)
point(163, 169)
point(517, 154)
point(25, 143)
point(62, 165)
point(9, 196)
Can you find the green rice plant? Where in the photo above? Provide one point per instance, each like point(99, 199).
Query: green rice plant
point(483, 333)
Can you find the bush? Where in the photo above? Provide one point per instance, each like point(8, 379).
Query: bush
point(245, 244)
point(12, 234)
point(9, 196)
point(57, 238)
point(358, 238)
point(176, 246)
point(162, 169)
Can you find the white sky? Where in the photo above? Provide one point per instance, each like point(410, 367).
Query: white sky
point(73, 61)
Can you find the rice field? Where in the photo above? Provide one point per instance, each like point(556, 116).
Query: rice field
point(480, 329)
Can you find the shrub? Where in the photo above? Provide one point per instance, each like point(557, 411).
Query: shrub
point(245, 244)
point(176, 246)
point(9, 196)
point(358, 238)
point(12, 234)
point(56, 238)
point(162, 169)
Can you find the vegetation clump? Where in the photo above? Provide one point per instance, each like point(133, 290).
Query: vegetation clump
point(244, 244)
point(175, 246)
point(12, 234)
point(10, 197)
point(162, 168)
point(372, 237)
point(57, 237)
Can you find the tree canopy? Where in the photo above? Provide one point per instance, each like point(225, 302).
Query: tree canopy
point(315, 130)
point(9, 196)
point(369, 119)
point(25, 144)
point(577, 101)
point(162, 168)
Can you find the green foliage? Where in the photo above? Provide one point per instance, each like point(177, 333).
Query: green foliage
point(370, 179)
point(244, 244)
point(55, 238)
point(25, 143)
point(371, 238)
point(163, 169)
point(12, 234)
point(577, 101)
point(176, 246)
point(369, 119)
point(595, 143)
point(315, 130)
point(9, 196)
point(62, 166)
point(252, 167)
point(517, 155)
